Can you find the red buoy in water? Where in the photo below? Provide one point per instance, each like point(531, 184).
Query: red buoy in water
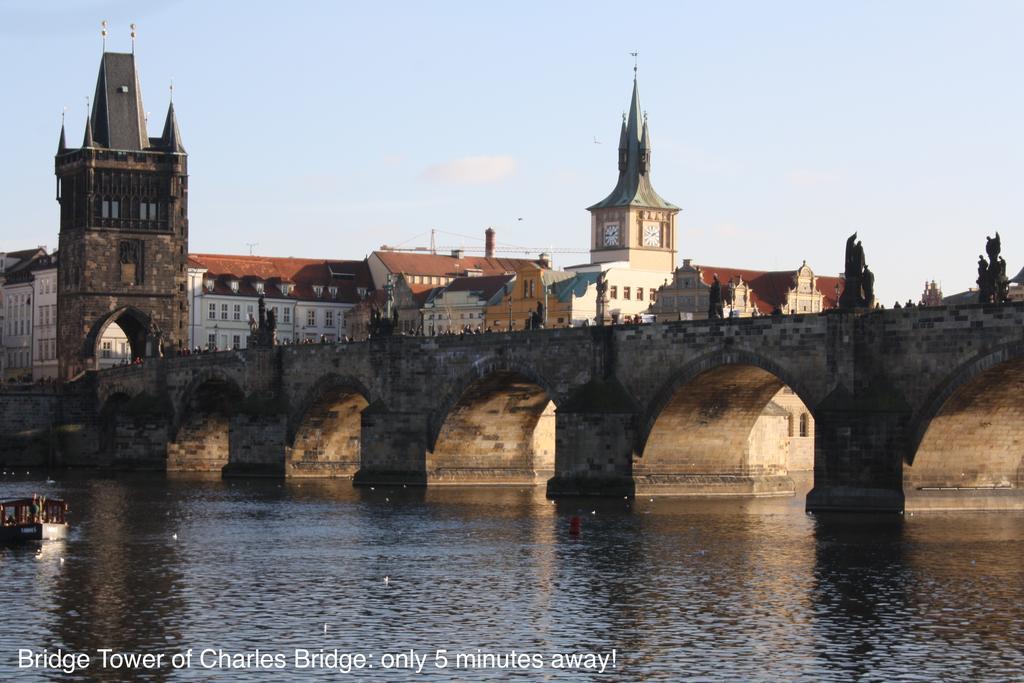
point(574, 525)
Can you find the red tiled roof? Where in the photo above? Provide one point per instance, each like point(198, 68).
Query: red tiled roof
point(447, 265)
point(770, 287)
point(304, 274)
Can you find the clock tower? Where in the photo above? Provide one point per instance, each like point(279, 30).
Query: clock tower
point(633, 223)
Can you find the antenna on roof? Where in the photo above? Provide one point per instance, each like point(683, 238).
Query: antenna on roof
point(103, 33)
point(636, 59)
point(133, 37)
point(251, 245)
point(433, 242)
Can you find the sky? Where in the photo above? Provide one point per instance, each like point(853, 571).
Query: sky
point(327, 129)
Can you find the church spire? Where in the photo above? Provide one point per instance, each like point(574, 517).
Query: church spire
point(645, 148)
point(87, 141)
point(62, 145)
point(634, 185)
point(171, 138)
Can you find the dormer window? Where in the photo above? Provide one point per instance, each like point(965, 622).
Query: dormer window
point(318, 290)
point(234, 286)
point(209, 284)
point(333, 291)
point(286, 289)
point(361, 291)
point(259, 288)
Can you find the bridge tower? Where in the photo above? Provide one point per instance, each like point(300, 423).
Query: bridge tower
point(634, 223)
point(123, 226)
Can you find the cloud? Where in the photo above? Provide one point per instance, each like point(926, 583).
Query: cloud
point(471, 170)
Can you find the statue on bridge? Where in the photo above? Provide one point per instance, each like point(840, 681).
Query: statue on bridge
point(263, 331)
point(715, 310)
point(859, 287)
point(602, 316)
point(993, 285)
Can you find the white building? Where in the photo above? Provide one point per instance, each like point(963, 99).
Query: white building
point(28, 315)
point(308, 297)
point(461, 304)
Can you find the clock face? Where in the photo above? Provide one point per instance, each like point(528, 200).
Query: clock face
point(611, 235)
point(652, 236)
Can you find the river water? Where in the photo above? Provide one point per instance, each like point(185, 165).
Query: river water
point(676, 589)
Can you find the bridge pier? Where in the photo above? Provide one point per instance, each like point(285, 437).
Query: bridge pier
point(593, 453)
point(858, 457)
point(256, 446)
point(393, 447)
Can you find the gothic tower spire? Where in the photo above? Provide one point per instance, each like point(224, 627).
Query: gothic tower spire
point(634, 224)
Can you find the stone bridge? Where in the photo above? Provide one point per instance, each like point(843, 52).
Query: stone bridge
point(914, 408)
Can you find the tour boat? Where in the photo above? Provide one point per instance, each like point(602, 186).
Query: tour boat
point(32, 519)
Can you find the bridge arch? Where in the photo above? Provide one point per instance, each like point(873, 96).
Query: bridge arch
point(202, 426)
point(325, 431)
point(495, 425)
point(725, 423)
point(135, 325)
point(969, 435)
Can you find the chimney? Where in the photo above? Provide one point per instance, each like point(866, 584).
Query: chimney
point(545, 260)
point(458, 253)
point(489, 243)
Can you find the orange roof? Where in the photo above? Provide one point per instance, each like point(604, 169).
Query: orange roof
point(447, 265)
point(347, 276)
point(770, 287)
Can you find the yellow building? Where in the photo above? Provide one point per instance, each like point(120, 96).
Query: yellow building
point(532, 292)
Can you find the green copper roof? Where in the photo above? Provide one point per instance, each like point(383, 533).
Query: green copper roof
point(634, 186)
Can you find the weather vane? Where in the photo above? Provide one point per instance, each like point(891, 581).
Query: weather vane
point(133, 37)
point(103, 33)
point(636, 59)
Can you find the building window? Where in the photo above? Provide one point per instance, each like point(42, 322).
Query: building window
point(333, 291)
point(625, 293)
point(804, 427)
point(248, 309)
point(311, 318)
point(211, 342)
point(287, 314)
point(639, 293)
point(318, 291)
point(115, 208)
point(236, 341)
point(328, 318)
point(791, 431)
point(213, 311)
point(237, 313)
point(259, 288)
point(654, 294)
point(223, 311)
point(613, 292)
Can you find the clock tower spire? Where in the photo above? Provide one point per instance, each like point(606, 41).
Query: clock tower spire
point(633, 223)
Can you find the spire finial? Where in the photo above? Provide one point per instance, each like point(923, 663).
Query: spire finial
point(636, 61)
point(133, 37)
point(172, 90)
point(103, 33)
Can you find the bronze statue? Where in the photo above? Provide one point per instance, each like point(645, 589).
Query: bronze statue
point(868, 286)
point(993, 285)
point(856, 292)
point(715, 310)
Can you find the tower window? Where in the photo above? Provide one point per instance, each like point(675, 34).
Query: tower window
point(613, 292)
point(625, 293)
point(804, 426)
